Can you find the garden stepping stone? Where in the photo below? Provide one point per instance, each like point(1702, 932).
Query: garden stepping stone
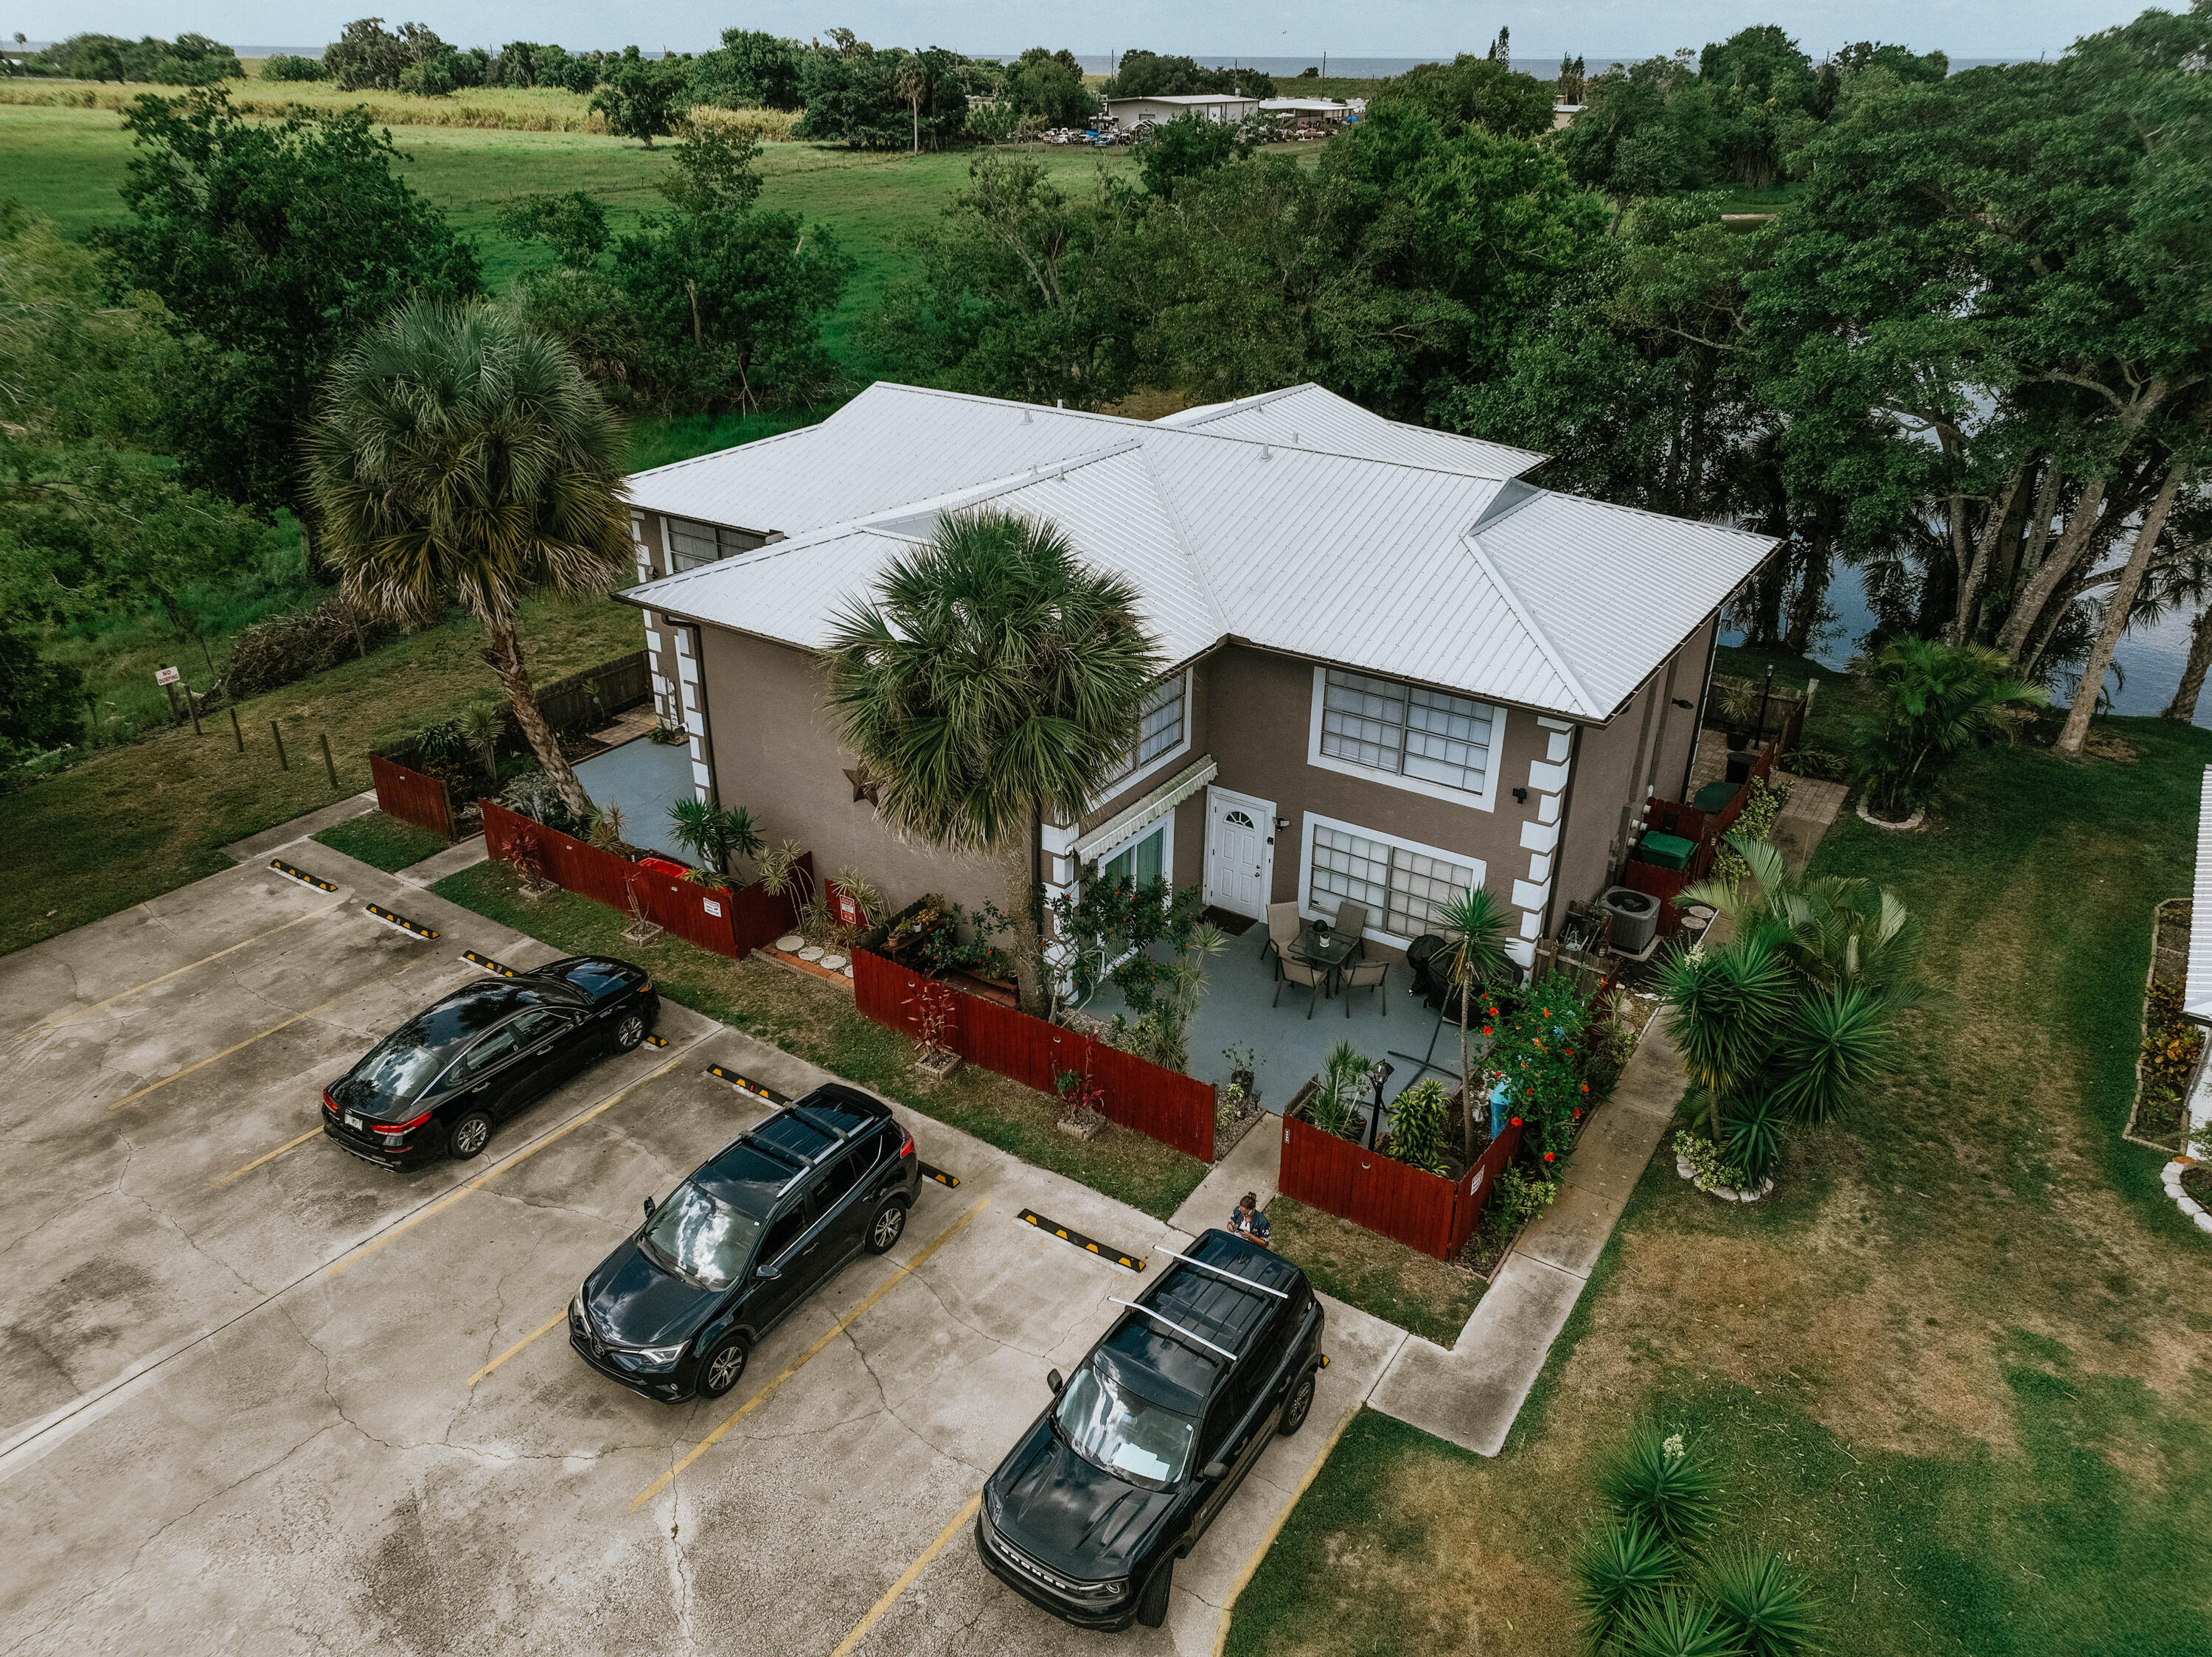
point(834, 962)
point(812, 953)
point(791, 943)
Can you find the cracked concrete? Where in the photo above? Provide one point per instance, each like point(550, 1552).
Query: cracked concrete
point(219, 1444)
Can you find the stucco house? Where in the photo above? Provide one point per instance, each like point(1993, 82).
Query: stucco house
point(1399, 667)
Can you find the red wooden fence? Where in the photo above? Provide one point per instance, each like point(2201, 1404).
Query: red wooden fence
point(729, 923)
point(410, 797)
point(1706, 828)
point(1173, 1108)
point(1422, 1210)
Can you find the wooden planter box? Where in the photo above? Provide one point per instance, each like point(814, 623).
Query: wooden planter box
point(1422, 1210)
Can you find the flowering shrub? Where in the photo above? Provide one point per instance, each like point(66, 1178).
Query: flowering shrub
point(1762, 804)
point(2169, 1047)
point(1539, 1049)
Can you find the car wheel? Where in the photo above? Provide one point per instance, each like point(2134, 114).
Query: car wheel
point(724, 1367)
point(1153, 1604)
point(1301, 1405)
point(629, 1032)
point(469, 1136)
point(887, 1228)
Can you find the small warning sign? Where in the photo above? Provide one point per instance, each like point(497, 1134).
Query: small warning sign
point(166, 676)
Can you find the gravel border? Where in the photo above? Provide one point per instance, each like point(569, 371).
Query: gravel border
point(2193, 1210)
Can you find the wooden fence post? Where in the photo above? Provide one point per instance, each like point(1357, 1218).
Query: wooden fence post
point(236, 731)
point(329, 764)
point(282, 763)
point(193, 709)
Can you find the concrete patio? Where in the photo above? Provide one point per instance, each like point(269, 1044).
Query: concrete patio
point(644, 779)
point(1240, 1009)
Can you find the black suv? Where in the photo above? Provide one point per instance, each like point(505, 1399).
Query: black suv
point(767, 1220)
point(1146, 1442)
point(441, 1082)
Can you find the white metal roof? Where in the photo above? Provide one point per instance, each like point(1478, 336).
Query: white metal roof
point(2197, 992)
point(1451, 573)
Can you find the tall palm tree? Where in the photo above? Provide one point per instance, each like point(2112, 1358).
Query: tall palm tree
point(913, 81)
point(991, 678)
point(1473, 923)
point(456, 455)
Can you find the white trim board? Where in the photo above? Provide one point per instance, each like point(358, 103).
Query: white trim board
point(1374, 919)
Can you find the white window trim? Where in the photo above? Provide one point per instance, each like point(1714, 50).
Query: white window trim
point(1106, 855)
point(1159, 762)
point(1485, 800)
point(1465, 860)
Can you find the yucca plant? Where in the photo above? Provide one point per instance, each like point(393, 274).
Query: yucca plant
point(1723, 1006)
point(714, 836)
point(1618, 1572)
point(1753, 1129)
point(1837, 1043)
point(1654, 1477)
point(1679, 1624)
point(1768, 1607)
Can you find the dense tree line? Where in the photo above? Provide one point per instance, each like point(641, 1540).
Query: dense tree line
point(188, 60)
point(1151, 75)
point(1967, 355)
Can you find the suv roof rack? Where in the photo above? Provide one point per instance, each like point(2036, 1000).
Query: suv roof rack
point(808, 1163)
point(1237, 1278)
point(1188, 1334)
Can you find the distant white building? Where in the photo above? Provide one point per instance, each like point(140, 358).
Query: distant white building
point(1563, 115)
point(1224, 106)
point(1327, 109)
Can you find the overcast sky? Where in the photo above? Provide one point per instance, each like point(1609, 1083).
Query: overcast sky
point(1260, 29)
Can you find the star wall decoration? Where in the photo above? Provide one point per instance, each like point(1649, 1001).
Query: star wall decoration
point(864, 787)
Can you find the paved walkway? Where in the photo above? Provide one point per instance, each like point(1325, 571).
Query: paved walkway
point(1470, 1393)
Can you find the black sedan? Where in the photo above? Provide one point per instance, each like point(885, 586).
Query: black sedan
point(1149, 1438)
point(442, 1081)
point(677, 1309)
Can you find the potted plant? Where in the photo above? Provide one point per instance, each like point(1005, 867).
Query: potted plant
point(1242, 1074)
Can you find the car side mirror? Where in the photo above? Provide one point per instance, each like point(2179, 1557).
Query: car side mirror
point(1213, 1469)
point(648, 1208)
point(1052, 1379)
point(768, 1273)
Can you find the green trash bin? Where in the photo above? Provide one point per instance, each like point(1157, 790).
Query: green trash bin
point(1714, 796)
point(1666, 850)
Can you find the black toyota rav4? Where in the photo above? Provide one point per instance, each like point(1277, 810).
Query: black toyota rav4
point(1148, 1439)
point(757, 1227)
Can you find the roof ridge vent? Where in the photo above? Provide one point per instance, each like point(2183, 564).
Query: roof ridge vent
point(1267, 453)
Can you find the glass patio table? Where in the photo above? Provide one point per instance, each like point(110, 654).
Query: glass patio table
point(1327, 950)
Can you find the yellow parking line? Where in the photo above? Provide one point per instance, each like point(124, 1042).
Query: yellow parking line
point(557, 1317)
point(800, 1362)
point(152, 1087)
point(85, 1012)
point(1252, 1564)
point(266, 1156)
point(846, 1645)
point(489, 1174)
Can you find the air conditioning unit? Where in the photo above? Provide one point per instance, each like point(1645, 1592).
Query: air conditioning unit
point(1635, 917)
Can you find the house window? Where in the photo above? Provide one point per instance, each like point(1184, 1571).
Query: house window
point(1140, 862)
point(1403, 887)
point(692, 545)
point(1159, 727)
point(1382, 725)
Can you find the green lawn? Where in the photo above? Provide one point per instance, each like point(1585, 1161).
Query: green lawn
point(127, 823)
point(70, 164)
point(382, 842)
point(820, 1024)
point(1955, 1368)
point(1431, 1297)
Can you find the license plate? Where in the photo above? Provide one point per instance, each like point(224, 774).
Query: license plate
point(353, 1121)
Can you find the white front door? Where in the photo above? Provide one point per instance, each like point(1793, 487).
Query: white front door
point(1240, 852)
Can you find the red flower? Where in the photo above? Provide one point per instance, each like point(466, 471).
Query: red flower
point(1547, 1155)
point(1516, 1121)
point(1578, 1116)
point(1586, 1086)
point(1485, 1029)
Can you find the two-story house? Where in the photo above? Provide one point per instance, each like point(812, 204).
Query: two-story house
point(1399, 668)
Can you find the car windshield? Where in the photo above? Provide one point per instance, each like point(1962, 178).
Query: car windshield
point(700, 1239)
point(1114, 1428)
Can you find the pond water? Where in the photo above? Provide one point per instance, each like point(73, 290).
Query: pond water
point(2149, 658)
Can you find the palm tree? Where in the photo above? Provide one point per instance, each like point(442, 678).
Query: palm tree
point(1473, 923)
point(1934, 701)
point(912, 81)
point(455, 454)
point(991, 680)
point(1724, 1004)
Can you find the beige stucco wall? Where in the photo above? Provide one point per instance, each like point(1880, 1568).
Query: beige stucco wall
point(776, 754)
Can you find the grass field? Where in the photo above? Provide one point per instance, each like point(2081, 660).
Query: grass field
point(382, 842)
point(127, 823)
point(68, 163)
point(820, 1023)
point(1955, 1368)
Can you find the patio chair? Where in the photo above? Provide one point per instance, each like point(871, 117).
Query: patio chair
point(1289, 969)
point(1282, 930)
point(1366, 975)
point(1352, 922)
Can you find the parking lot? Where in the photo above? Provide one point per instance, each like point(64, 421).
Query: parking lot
point(256, 1395)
